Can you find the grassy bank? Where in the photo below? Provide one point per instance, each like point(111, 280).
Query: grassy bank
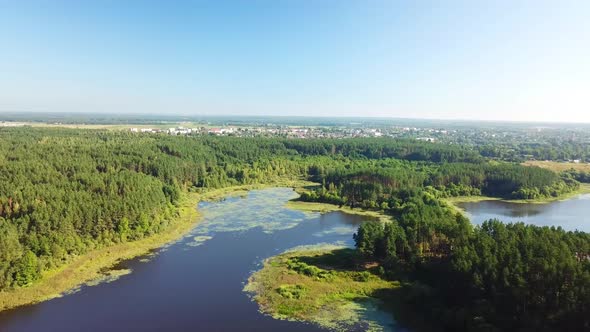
point(92, 265)
point(95, 265)
point(221, 193)
point(333, 288)
point(453, 201)
point(325, 208)
point(558, 166)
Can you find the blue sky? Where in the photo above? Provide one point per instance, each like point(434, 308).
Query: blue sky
point(495, 60)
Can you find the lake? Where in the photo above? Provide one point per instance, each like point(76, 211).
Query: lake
point(571, 214)
point(196, 283)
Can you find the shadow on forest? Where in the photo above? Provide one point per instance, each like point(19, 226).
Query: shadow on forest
point(401, 301)
point(339, 259)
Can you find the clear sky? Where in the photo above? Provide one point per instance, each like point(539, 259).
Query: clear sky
point(496, 60)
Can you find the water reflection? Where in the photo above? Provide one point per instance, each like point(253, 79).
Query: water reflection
point(572, 214)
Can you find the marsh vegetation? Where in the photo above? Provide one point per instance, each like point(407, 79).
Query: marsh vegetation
point(330, 287)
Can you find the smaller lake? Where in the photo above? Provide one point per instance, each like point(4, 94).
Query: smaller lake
point(572, 214)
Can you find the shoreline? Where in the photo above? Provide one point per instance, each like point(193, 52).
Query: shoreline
point(453, 201)
point(92, 265)
point(98, 264)
point(321, 285)
point(450, 201)
point(327, 207)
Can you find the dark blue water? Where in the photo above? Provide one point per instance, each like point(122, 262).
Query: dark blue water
point(571, 214)
point(195, 284)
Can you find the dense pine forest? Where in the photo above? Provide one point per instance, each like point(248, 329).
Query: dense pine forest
point(65, 192)
point(495, 277)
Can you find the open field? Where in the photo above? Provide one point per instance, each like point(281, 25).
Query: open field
point(558, 166)
point(123, 127)
point(158, 125)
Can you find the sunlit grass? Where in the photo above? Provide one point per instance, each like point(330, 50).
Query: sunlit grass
point(325, 208)
point(322, 286)
point(558, 166)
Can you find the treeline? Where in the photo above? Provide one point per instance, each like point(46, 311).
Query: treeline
point(379, 148)
point(372, 184)
point(577, 175)
point(550, 149)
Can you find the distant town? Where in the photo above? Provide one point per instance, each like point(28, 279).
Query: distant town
point(497, 140)
point(429, 135)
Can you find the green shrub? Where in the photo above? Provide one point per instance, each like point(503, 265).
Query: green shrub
point(362, 276)
point(309, 270)
point(291, 291)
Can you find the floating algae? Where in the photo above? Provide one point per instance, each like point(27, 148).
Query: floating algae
point(108, 276)
point(341, 230)
point(199, 240)
point(105, 277)
point(148, 257)
point(360, 315)
point(259, 209)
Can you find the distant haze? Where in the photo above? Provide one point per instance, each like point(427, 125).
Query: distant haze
point(492, 60)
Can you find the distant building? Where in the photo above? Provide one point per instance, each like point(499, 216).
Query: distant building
point(425, 139)
point(215, 131)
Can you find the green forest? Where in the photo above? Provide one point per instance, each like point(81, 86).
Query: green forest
point(65, 192)
point(494, 277)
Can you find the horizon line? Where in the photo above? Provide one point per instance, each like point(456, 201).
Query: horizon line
point(123, 114)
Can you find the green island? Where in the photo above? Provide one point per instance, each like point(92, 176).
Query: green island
point(74, 202)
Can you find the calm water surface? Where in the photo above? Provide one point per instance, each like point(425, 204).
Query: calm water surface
point(570, 214)
point(196, 283)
